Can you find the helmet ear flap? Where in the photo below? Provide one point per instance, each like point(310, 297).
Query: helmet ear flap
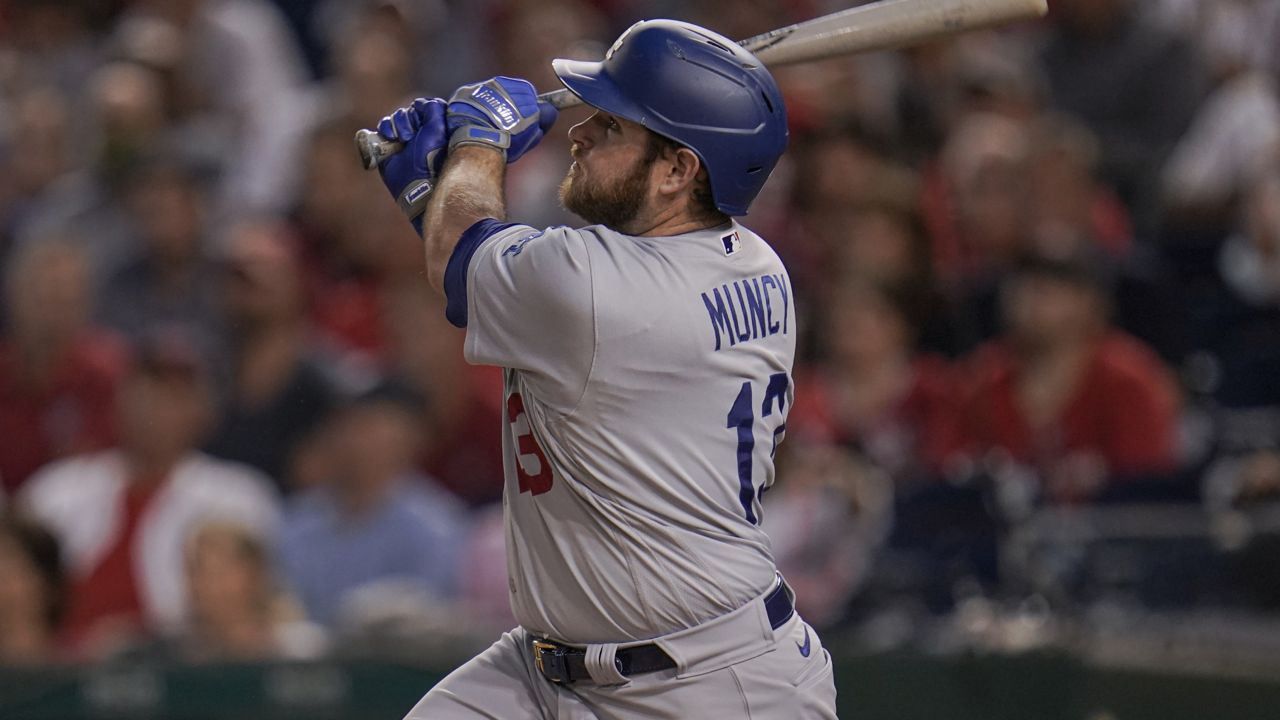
point(698, 89)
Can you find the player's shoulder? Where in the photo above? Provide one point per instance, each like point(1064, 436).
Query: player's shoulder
point(518, 267)
point(583, 248)
point(512, 241)
point(726, 243)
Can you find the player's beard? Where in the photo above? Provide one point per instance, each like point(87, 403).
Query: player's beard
point(613, 205)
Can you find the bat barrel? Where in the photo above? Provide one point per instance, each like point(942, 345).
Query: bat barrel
point(885, 25)
point(877, 26)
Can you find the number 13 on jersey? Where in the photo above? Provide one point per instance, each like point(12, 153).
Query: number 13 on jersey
point(742, 418)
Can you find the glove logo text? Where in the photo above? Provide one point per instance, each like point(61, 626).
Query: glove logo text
point(505, 115)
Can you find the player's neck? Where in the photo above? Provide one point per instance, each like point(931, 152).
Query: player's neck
point(666, 225)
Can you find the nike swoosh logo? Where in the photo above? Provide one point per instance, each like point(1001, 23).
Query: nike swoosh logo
point(804, 649)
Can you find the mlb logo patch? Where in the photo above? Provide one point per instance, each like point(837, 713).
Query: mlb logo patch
point(732, 243)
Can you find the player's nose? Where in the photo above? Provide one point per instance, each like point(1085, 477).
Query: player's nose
point(579, 134)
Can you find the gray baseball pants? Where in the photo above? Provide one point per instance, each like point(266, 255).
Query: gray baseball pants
point(779, 682)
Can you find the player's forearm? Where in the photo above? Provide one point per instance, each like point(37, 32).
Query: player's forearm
point(470, 189)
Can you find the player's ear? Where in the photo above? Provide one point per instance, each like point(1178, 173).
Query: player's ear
point(683, 171)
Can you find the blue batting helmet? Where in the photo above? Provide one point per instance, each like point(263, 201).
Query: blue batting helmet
point(697, 88)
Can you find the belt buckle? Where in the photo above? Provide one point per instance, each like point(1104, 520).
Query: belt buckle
point(549, 659)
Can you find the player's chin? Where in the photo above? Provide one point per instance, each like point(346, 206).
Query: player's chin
point(567, 189)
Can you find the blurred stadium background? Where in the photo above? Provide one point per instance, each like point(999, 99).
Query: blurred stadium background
point(1032, 467)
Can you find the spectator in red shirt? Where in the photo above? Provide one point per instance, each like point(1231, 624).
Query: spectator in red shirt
point(58, 375)
point(123, 515)
point(1063, 392)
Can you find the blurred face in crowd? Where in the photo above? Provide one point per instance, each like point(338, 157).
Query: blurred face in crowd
point(167, 205)
point(841, 171)
point(985, 159)
point(865, 326)
point(40, 153)
point(1042, 311)
point(880, 245)
point(311, 464)
point(330, 173)
point(227, 573)
point(48, 293)
point(1061, 185)
point(165, 409)
point(262, 275)
point(993, 210)
point(129, 100)
point(375, 68)
point(374, 444)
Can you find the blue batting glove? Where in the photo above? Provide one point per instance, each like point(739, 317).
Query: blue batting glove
point(410, 174)
point(502, 113)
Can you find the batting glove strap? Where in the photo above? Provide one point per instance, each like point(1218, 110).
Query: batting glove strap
point(413, 201)
point(475, 134)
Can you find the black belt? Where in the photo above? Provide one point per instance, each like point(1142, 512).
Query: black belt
point(565, 664)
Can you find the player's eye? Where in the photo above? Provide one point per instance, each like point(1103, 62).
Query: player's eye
point(612, 124)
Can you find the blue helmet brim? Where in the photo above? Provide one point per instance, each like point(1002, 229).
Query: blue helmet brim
point(589, 81)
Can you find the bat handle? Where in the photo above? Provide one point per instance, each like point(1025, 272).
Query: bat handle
point(374, 148)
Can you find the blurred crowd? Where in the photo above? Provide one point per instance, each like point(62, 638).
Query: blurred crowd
point(1038, 269)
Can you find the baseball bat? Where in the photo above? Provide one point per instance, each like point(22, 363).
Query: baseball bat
point(876, 26)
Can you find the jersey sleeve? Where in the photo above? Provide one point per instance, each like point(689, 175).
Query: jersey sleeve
point(526, 299)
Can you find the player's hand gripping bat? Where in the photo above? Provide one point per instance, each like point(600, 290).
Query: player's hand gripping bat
point(877, 26)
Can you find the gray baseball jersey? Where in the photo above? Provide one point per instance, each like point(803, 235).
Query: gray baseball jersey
point(647, 386)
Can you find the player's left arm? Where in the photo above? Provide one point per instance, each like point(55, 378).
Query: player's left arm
point(440, 197)
point(490, 125)
point(470, 190)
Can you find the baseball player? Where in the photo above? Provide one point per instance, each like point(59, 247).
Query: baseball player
point(647, 367)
